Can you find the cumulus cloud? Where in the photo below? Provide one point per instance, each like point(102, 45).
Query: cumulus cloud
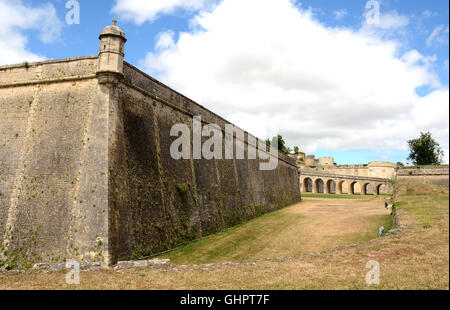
point(328, 88)
point(140, 11)
point(439, 35)
point(164, 39)
point(15, 18)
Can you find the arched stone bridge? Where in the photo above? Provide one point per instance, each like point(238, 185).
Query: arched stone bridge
point(327, 183)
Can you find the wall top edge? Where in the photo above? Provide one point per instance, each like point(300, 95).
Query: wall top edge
point(286, 158)
point(44, 62)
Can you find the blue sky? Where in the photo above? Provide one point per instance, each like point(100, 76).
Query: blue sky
point(410, 43)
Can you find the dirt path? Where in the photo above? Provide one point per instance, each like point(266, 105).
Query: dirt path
point(334, 222)
point(315, 224)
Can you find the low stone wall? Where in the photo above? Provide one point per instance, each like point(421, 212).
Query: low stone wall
point(437, 180)
point(433, 175)
point(439, 170)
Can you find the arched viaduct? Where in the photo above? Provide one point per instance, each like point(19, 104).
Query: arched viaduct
point(328, 183)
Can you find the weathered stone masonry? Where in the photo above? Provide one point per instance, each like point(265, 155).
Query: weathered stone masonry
point(427, 175)
point(86, 171)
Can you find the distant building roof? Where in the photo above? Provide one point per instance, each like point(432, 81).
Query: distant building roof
point(381, 164)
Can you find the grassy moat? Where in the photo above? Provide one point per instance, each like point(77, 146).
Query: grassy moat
point(314, 224)
point(415, 258)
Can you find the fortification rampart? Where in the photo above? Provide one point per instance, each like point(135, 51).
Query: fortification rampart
point(433, 175)
point(361, 171)
point(86, 170)
point(188, 198)
point(375, 169)
point(54, 162)
point(424, 170)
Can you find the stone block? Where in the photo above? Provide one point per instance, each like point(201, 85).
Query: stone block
point(159, 263)
point(140, 263)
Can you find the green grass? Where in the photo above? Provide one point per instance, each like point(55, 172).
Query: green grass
point(376, 221)
point(429, 204)
point(425, 208)
point(242, 242)
point(387, 222)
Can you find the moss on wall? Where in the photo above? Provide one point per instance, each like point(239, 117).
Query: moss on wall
point(158, 202)
point(86, 171)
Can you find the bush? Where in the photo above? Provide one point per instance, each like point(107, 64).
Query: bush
point(181, 188)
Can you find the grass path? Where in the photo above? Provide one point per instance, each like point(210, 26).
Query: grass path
point(315, 224)
point(417, 258)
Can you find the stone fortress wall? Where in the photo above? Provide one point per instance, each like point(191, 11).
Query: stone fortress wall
point(433, 175)
point(53, 162)
point(176, 201)
point(86, 171)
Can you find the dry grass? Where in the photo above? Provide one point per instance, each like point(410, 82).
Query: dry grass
point(312, 225)
point(417, 258)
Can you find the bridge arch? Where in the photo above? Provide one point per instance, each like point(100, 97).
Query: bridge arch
point(339, 185)
point(378, 189)
point(351, 187)
point(307, 185)
point(364, 188)
point(318, 186)
point(330, 187)
point(329, 183)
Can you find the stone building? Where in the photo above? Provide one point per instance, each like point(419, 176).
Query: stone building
point(327, 166)
point(376, 169)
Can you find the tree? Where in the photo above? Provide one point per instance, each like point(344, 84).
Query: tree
point(296, 150)
point(400, 164)
point(279, 143)
point(425, 150)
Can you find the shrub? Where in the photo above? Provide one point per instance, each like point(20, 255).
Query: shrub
point(181, 188)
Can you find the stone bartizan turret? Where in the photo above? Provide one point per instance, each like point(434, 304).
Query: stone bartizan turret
point(112, 46)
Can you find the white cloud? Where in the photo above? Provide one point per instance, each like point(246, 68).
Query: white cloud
point(438, 35)
point(393, 20)
point(15, 18)
point(338, 14)
point(140, 11)
point(446, 156)
point(391, 25)
point(329, 88)
point(164, 39)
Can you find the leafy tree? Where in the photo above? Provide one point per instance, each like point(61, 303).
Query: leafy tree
point(400, 164)
point(279, 142)
point(425, 150)
point(296, 150)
